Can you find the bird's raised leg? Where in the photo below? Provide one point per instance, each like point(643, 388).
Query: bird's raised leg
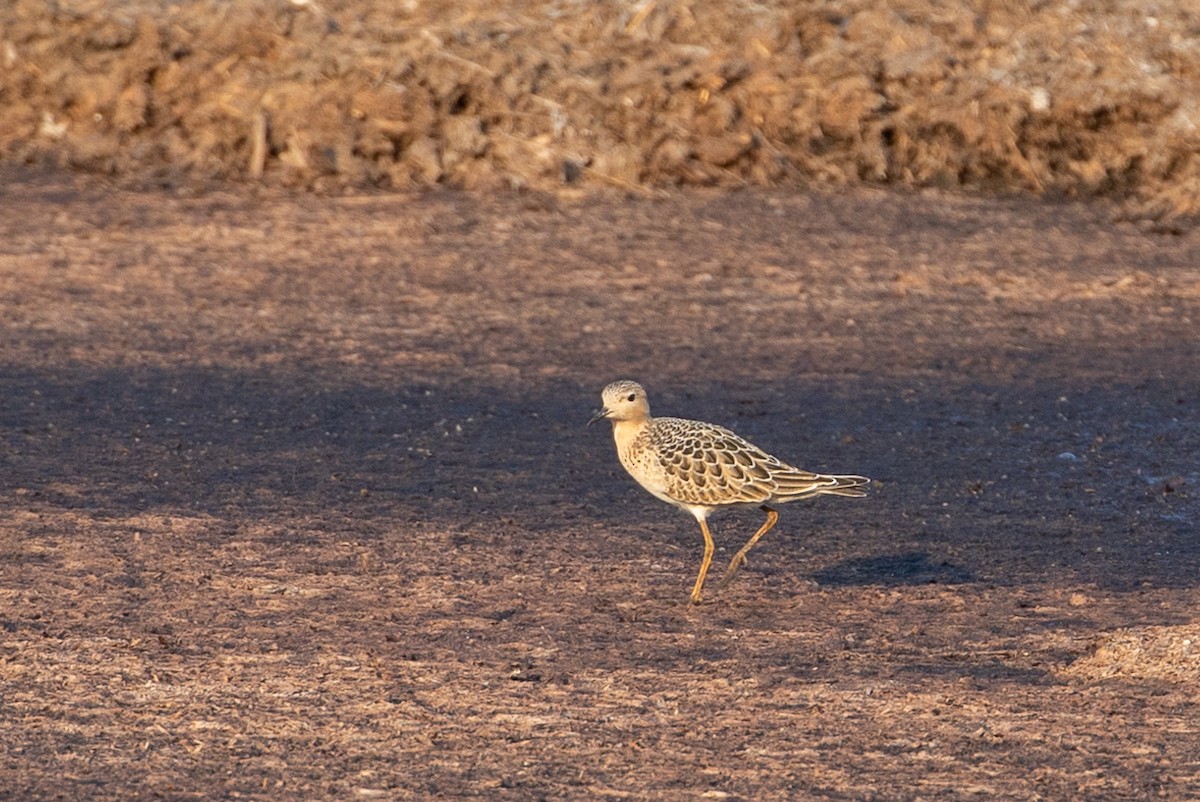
point(739, 559)
point(708, 553)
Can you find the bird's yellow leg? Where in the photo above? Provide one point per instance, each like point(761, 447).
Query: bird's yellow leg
point(708, 553)
point(739, 559)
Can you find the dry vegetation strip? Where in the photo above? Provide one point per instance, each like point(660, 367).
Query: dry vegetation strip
point(1085, 98)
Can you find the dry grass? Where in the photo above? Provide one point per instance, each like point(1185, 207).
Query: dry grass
point(1094, 98)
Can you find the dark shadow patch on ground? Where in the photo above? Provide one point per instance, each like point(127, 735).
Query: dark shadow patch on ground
point(987, 671)
point(963, 492)
point(908, 568)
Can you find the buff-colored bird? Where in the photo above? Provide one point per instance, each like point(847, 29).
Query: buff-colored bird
point(702, 468)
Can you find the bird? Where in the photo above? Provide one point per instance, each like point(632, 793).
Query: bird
point(702, 468)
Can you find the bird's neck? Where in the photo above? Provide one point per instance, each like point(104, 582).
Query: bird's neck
point(625, 432)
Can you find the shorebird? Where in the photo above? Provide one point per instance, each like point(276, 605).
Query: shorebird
point(701, 467)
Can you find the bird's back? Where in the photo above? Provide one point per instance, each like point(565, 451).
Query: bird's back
point(693, 463)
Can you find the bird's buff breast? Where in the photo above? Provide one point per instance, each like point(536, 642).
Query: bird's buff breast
point(640, 462)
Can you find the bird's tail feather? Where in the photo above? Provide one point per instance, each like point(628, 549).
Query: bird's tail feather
point(802, 484)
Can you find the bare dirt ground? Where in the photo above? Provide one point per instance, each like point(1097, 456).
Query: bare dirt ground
point(296, 500)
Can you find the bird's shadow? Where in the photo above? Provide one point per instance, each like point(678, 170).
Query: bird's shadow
point(907, 568)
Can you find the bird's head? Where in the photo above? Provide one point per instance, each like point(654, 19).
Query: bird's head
point(622, 400)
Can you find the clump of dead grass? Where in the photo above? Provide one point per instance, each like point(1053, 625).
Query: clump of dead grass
point(1167, 653)
point(1073, 98)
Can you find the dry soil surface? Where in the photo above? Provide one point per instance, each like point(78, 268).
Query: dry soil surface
point(296, 499)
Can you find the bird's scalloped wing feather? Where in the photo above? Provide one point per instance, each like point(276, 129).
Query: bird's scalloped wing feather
point(708, 464)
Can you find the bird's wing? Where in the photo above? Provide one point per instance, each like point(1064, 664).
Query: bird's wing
point(708, 464)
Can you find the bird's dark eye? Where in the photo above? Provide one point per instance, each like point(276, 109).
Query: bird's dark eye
point(632, 396)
